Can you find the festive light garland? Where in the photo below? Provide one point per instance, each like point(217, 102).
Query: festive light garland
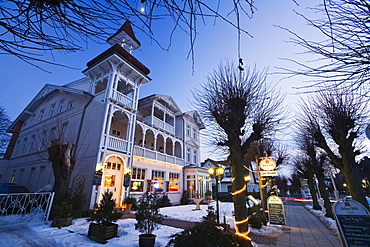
point(239, 191)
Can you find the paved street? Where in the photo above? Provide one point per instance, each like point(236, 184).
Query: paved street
point(304, 229)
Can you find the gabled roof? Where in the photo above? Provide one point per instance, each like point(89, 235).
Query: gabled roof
point(38, 99)
point(167, 101)
point(210, 163)
point(196, 117)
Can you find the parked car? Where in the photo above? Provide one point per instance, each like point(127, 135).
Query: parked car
point(10, 188)
point(9, 203)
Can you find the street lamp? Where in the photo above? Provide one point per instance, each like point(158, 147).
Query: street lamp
point(217, 173)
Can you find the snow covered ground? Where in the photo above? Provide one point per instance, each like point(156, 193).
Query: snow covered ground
point(39, 234)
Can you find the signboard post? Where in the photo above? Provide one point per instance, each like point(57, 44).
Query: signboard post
point(269, 173)
point(276, 210)
point(353, 221)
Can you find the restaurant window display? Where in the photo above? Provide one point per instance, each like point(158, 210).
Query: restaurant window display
point(157, 184)
point(137, 180)
point(174, 182)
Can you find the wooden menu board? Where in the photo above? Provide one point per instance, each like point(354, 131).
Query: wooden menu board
point(276, 211)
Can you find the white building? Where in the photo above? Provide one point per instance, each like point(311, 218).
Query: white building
point(116, 134)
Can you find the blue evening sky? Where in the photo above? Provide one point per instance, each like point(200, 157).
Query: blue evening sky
point(171, 72)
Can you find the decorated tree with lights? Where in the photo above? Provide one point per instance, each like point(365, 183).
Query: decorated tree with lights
point(238, 107)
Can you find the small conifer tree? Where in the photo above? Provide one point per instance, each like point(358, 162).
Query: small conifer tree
point(105, 213)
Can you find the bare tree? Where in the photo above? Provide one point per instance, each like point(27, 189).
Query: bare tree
point(313, 162)
point(4, 124)
point(333, 119)
point(31, 28)
point(238, 108)
point(344, 54)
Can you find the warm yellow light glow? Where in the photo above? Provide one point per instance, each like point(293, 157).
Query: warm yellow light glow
point(241, 222)
point(247, 178)
point(237, 232)
point(220, 171)
point(211, 171)
point(157, 161)
point(242, 234)
point(239, 191)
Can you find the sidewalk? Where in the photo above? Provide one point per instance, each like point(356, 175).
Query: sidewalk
point(303, 229)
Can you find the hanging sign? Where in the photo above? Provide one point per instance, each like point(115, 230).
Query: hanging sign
point(126, 180)
point(267, 164)
point(353, 221)
point(276, 211)
point(97, 177)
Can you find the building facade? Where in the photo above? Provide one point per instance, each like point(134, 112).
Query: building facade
point(121, 143)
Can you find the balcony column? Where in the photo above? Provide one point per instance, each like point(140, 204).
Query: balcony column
point(155, 143)
point(143, 140)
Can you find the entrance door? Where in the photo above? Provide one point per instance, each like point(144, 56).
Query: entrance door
point(113, 175)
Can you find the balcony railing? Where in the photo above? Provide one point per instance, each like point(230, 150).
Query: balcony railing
point(150, 154)
point(160, 124)
point(120, 97)
point(117, 144)
point(117, 96)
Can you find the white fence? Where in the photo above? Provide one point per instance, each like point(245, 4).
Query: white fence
point(25, 208)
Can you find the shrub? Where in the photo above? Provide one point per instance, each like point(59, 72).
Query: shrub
point(164, 201)
point(206, 234)
point(105, 213)
point(147, 216)
point(185, 198)
point(257, 217)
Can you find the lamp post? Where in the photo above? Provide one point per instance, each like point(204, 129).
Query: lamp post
point(217, 173)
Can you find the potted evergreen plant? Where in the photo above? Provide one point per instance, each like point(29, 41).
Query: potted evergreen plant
point(208, 195)
point(63, 215)
point(148, 218)
point(104, 216)
point(63, 211)
point(129, 202)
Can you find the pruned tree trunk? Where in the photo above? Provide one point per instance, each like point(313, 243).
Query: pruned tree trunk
point(311, 185)
point(239, 198)
point(325, 196)
point(63, 163)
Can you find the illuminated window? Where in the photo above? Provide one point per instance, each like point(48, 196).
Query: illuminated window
point(109, 180)
point(157, 184)
point(137, 180)
point(174, 182)
point(113, 166)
